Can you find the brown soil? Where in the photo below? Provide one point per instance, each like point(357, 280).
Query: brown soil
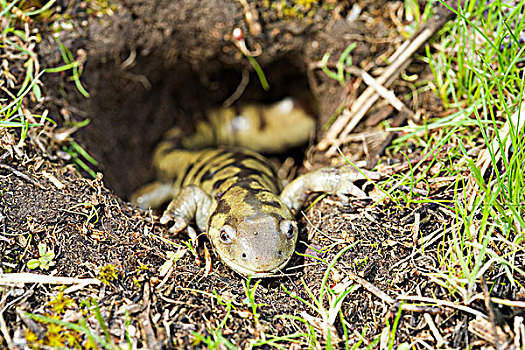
point(150, 65)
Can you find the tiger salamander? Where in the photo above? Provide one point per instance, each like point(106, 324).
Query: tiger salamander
point(235, 195)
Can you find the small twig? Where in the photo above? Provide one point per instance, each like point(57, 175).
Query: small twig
point(420, 309)
point(519, 332)
point(5, 333)
point(23, 176)
point(3, 325)
point(371, 288)
point(147, 331)
point(385, 93)
point(492, 316)
point(511, 303)
point(16, 278)
point(415, 229)
point(53, 179)
point(391, 301)
point(443, 303)
point(316, 229)
point(435, 332)
point(8, 92)
point(4, 156)
point(366, 135)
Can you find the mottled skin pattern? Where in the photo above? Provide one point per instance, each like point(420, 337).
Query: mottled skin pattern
point(235, 196)
point(263, 128)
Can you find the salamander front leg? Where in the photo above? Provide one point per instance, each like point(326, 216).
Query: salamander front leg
point(152, 195)
point(330, 180)
point(190, 203)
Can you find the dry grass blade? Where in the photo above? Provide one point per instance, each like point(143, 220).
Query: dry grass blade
point(388, 95)
point(379, 91)
point(17, 278)
point(348, 121)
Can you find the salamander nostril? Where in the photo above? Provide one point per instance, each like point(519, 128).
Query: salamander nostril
point(280, 253)
point(244, 256)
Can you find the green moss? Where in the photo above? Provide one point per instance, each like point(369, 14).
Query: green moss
point(61, 303)
point(108, 273)
point(104, 7)
point(294, 9)
point(306, 4)
point(56, 335)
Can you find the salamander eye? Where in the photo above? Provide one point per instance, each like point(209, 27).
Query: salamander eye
point(289, 228)
point(227, 234)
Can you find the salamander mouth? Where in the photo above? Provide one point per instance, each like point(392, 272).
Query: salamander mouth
point(244, 271)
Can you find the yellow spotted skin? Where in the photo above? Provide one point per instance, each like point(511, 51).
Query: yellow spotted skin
point(238, 189)
point(234, 194)
point(263, 128)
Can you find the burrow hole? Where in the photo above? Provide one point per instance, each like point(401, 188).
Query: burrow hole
point(130, 110)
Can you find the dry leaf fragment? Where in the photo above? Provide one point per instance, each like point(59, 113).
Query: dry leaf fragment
point(172, 259)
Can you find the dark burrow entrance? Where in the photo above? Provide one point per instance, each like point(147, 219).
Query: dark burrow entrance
point(134, 104)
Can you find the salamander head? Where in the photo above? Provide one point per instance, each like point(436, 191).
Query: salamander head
point(254, 237)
